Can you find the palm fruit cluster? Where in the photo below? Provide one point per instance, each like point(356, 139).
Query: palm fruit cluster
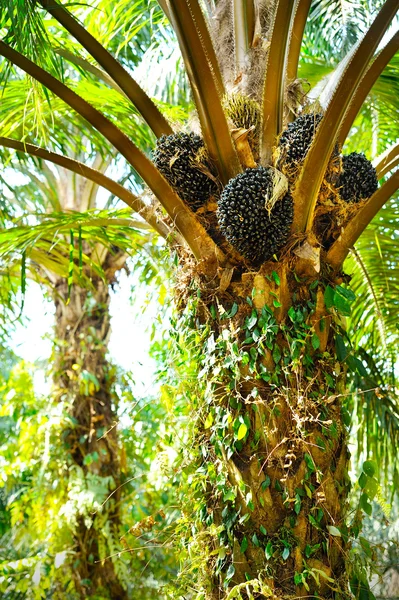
point(358, 179)
point(245, 112)
point(182, 160)
point(249, 220)
point(296, 139)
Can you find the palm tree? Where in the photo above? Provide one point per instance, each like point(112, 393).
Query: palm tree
point(77, 253)
point(83, 378)
point(262, 211)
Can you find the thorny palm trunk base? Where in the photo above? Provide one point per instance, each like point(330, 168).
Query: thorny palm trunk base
point(272, 441)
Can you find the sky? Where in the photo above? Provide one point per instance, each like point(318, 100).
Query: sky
point(130, 336)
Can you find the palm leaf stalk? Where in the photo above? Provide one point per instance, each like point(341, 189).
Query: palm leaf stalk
point(270, 218)
point(244, 18)
point(207, 86)
point(273, 94)
point(147, 212)
point(169, 199)
point(366, 84)
point(318, 157)
point(387, 161)
point(296, 36)
point(112, 67)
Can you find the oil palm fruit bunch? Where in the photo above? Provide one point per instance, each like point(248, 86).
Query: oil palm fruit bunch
point(254, 223)
point(296, 139)
point(246, 113)
point(182, 160)
point(358, 179)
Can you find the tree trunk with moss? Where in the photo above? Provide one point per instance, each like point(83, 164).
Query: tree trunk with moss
point(84, 379)
point(271, 483)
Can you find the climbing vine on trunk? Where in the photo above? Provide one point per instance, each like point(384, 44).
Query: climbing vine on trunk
point(269, 483)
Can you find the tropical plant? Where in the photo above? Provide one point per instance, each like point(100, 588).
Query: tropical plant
point(83, 378)
point(53, 233)
point(43, 494)
point(261, 211)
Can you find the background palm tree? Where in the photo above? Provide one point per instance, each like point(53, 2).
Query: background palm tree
point(268, 501)
point(84, 381)
point(52, 225)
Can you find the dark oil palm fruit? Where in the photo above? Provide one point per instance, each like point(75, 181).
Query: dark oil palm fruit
point(358, 179)
point(182, 160)
point(296, 139)
point(254, 224)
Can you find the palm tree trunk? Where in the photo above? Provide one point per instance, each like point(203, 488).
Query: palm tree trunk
point(272, 487)
point(84, 379)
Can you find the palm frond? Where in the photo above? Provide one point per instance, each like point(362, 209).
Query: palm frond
point(206, 83)
point(338, 24)
point(199, 241)
point(374, 269)
point(355, 227)
point(317, 159)
point(112, 67)
point(25, 27)
point(46, 244)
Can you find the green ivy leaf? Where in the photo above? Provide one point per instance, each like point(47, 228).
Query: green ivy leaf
point(369, 467)
point(285, 554)
point(234, 310)
point(340, 348)
point(229, 495)
point(242, 431)
point(276, 353)
point(334, 531)
point(244, 545)
point(276, 278)
point(252, 320)
point(315, 341)
point(269, 550)
point(371, 487)
point(365, 505)
point(329, 297)
point(346, 293)
point(313, 521)
point(362, 480)
point(266, 483)
point(230, 573)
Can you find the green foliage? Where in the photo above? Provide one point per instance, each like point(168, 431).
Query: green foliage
point(225, 349)
point(43, 496)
